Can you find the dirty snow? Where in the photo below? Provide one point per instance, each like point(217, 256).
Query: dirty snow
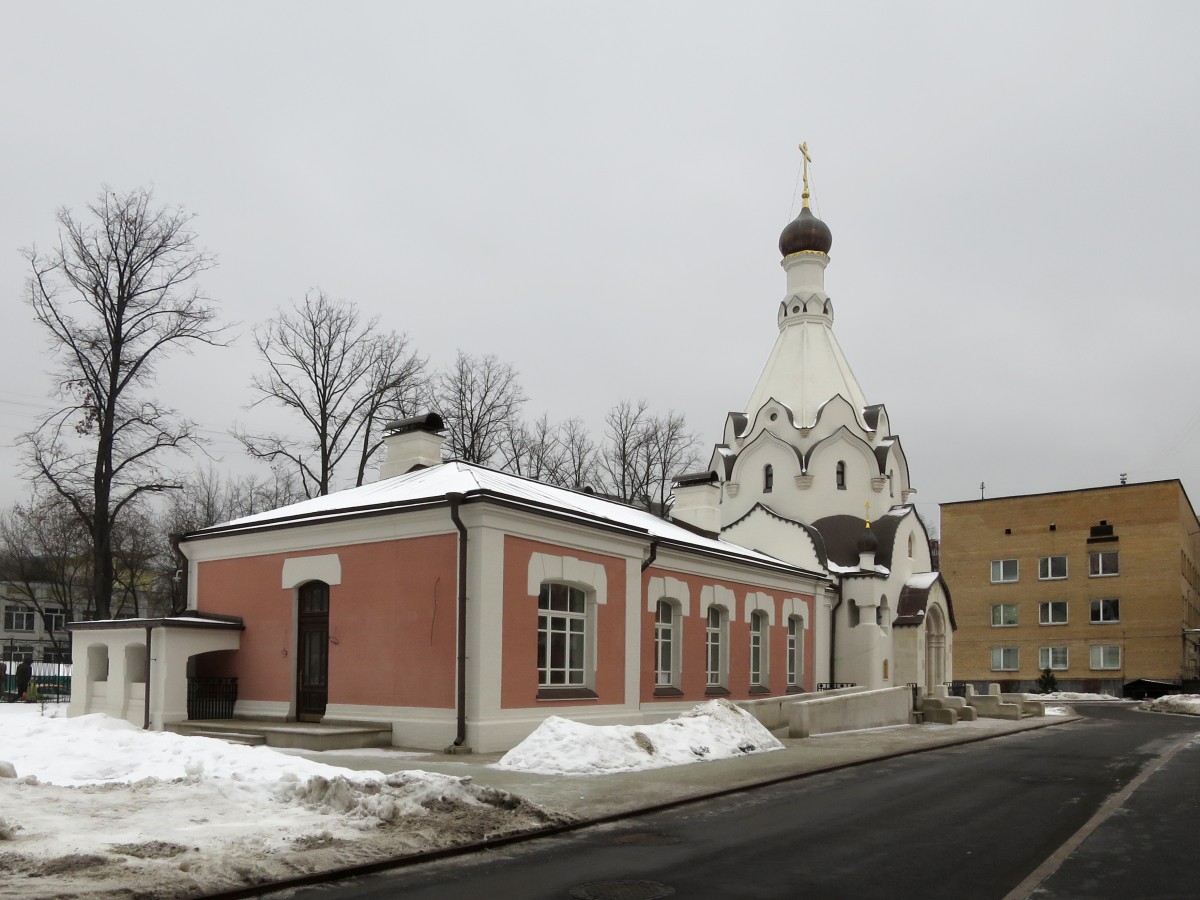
point(1070, 695)
point(94, 807)
point(97, 807)
point(714, 730)
point(1188, 704)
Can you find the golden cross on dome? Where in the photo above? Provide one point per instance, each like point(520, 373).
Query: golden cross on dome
point(867, 507)
point(807, 160)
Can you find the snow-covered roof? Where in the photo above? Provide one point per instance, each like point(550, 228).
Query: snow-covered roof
point(922, 580)
point(425, 487)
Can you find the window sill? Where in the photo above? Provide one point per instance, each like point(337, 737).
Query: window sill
point(715, 690)
point(667, 691)
point(759, 689)
point(796, 689)
point(1107, 622)
point(566, 694)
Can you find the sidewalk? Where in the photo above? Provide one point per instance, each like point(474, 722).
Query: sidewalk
point(596, 797)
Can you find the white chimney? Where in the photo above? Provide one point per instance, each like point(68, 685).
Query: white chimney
point(698, 501)
point(414, 443)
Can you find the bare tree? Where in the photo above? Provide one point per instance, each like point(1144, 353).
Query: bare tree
point(580, 455)
point(342, 377)
point(45, 561)
point(480, 399)
point(644, 453)
point(535, 451)
point(116, 296)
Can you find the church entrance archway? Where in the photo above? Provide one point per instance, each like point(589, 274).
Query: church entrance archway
point(312, 651)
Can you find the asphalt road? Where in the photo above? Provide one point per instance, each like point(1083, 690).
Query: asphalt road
point(985, 820)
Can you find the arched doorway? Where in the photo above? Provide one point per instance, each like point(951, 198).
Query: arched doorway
point(312, 651)
point(935, 648)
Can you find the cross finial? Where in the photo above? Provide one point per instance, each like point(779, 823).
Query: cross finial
point(807, 160)
point(867, 506)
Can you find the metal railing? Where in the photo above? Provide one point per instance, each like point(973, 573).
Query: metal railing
point(835, 685)
point(42, 682)
point(211, 698)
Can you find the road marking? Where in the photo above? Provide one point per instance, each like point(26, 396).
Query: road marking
point(1025, 889)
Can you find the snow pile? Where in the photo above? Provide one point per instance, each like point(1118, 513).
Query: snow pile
point(97, 750)
point(714, 730)
point(1070, 695)
point(1187, 704)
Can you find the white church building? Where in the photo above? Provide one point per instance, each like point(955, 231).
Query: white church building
point(812, 474)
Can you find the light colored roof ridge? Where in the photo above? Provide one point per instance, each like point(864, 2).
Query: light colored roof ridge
point(431, 485)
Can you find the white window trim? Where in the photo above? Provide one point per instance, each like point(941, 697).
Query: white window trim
point(1002, 580)
point(1046, 559)
point(1046, 659)
point(586, 666)
point(1102, 621)
point(1016, 653)
point(1101, 554)
point(795, 651)
point(992, 613)
point(1045, 606)
point(760, 640)
point(674, 634)
point(1092, 654)
point(720, 635)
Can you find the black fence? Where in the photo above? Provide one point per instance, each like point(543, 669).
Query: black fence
point(834, 685)
point(211, 698)
point(956, 688)
point(42, 682)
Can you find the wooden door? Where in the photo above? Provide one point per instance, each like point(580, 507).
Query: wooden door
point(312, 652)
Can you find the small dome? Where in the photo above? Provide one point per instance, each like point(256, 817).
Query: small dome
point(867, 542)
point(805, 233)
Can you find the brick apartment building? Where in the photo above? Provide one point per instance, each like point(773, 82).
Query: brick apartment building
point(1098, 585)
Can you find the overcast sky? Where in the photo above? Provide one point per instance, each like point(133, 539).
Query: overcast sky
point(594, 193)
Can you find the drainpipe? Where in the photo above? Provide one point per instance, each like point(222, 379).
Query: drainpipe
point(146, 720)
point(649, 560)
point(833, 633)
point(456, 498)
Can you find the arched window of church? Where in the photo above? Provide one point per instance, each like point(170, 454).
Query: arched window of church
point(910, 545)
point(768, 479)
point(892, 486)
point(841, 475)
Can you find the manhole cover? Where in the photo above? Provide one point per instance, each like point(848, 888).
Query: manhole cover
point(646, 839)
point(622, 890)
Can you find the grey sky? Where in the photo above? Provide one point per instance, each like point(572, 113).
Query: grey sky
point(594, 192)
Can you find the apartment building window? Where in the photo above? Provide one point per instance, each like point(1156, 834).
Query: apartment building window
point(1052, 658)
point(1052, 567)
point(1106, 656)
point(1106, 610)
point(1103, 562)
point(1004, 659)
point(1004, 615)
point(56, 620)
point(1052, 612)
point(17, 618)
point(1004, 570)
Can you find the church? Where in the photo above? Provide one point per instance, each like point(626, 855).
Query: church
point(452, 606)
point(797, 474)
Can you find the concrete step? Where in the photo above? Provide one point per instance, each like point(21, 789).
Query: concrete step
point(231, 737)
point(294, 735)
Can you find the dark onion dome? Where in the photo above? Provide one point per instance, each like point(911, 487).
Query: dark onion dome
point(805, 233)
point(867, 542)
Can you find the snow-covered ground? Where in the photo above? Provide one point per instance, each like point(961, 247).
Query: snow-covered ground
point(95, 807)
point(1070, 695)
point(1188, 704)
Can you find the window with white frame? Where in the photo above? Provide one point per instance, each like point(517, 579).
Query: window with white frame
point(17, 653)
point(1004, 615)
point(56, 620)
point(562, 636)
point(1004, 570)
point(795, 651)
point(1054, 658)
point(1106, 656)
point(1004, 659)
point(715, 646)
point(1103, 562)
point(759, 644)
point(666, 650)
point(1052, 612)
point(18, 618)
point(1052, 567)
point(1106, 610)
